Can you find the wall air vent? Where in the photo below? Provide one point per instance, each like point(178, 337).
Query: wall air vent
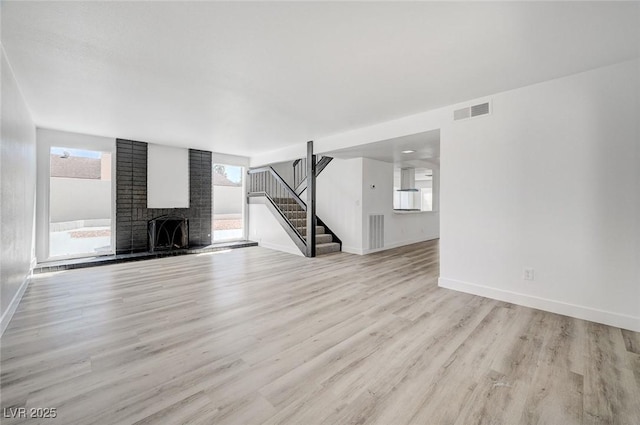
point(376, 231)
point(472, 111)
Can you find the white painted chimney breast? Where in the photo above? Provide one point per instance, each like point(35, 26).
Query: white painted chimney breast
point(167, 177)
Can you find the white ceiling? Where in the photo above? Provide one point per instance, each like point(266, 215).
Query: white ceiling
point(246, 78)
point(425, 147)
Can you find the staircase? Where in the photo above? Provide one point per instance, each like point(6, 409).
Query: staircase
point(267, 187)
point(325, 243)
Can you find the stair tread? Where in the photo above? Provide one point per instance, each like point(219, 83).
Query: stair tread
point(327, 248)
point(303, 230)
point(323, 238)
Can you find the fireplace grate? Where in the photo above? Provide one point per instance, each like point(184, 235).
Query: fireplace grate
point(167, 233)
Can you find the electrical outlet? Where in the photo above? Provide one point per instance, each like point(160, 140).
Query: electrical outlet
point(528, 274)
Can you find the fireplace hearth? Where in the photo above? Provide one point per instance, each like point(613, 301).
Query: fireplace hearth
point(167, 233)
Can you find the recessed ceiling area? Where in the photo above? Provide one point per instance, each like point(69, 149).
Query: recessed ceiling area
point(425, 149)
point(251, 77)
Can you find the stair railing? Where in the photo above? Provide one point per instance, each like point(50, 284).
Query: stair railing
point(300, 171)
point(265, 182)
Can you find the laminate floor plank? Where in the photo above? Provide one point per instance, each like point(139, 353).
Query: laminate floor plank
point(506, 386)
point(255, 336)
point(464, 369)
point(555, 394)
point(398, 392)
point(610, 391)
point(631, 341)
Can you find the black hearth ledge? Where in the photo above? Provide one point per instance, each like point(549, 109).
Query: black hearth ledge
point(81, 263)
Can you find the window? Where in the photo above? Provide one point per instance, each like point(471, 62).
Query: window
point(79, 202)
point(228, 202)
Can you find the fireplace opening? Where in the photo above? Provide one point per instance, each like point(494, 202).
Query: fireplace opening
point(167, 233)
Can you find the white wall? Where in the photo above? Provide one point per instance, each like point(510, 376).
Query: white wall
point(286, 154)
point(79, 199)
point(225, 159)
point(400, 228)
point(265, 229)
point(339, 201)
point(17, 194)
point(167, 177)
point(560, 193)
point(285, 170)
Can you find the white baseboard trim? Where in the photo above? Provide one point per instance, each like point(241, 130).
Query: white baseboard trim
point(399, 244)
point(283, 248)
point(579, 312)
point(13, 305)
point(351, 250)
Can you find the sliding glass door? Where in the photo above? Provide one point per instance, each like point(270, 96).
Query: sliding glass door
point(228, 203)
point(80, 206)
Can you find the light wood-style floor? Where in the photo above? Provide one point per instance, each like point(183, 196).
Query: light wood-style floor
point(255, 336)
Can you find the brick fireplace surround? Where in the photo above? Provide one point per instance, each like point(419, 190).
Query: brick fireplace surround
point(132, 214)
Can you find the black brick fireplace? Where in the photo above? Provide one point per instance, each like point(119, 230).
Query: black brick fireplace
point(132, 215)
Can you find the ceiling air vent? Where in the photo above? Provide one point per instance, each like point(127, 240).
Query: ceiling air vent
point(471, 111)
